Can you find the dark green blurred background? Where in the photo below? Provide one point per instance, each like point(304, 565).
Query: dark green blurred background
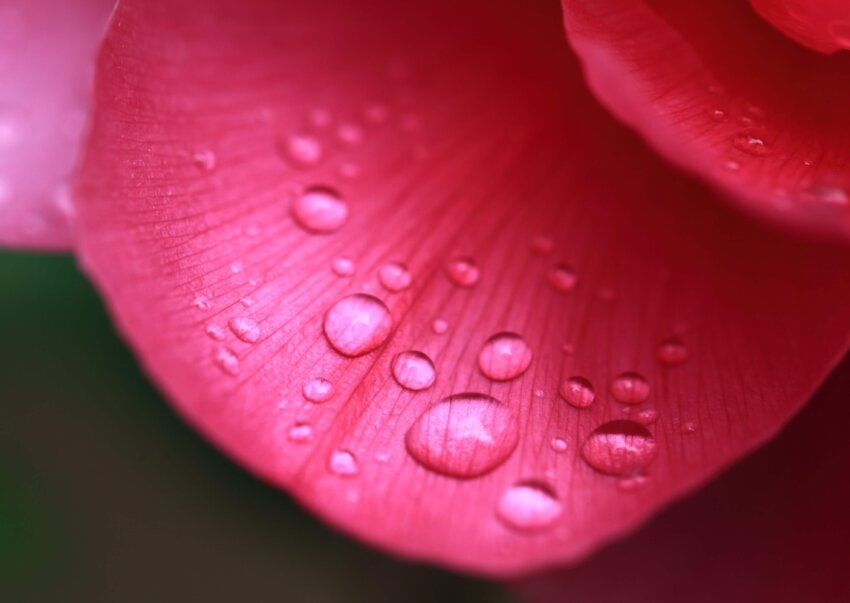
point(105, 495)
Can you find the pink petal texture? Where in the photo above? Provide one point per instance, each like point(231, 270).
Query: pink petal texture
point(718, 91)
point(397, 261)
point(47, 51)
point(822, 25)
point(774, 528)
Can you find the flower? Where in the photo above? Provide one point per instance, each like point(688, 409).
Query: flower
point(399, 262)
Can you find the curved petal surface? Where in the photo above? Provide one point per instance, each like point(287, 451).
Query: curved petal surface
point(718, 91)
point(399, 263)
point(822, 25)
point(47, 52)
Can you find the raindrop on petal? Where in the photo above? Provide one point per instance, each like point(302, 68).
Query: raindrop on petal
point(504, 356)
point(621, 447)
point(414, 370)
point(357, 324)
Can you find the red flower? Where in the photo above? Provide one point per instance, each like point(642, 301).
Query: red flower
point(398, 261)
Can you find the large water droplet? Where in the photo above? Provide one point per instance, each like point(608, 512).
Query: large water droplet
point(343, 464)
point(620, 448)
point(504, 356)
point(320, 210)
point(395, 276)
point(318, 390)
point(414, 370)
point(465, 435)
point(303, 150)
point(245, 328)
point(630, 388)
point(463, 272)
point(577, 391)
point(357, 324)
point(562, 277)
point(672, 351)
point(529, 506)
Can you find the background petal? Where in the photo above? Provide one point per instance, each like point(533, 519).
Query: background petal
point(279, 200)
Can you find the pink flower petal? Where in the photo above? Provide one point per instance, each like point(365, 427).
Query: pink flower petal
point(822, 25)
point(46, 55)
point(718, 91)
point(476, 140)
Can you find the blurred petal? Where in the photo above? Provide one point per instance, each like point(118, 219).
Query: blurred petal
point(365, 248)
point(719, 92)
point(822, 25)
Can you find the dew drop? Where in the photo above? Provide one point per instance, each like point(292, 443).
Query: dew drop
point(300, 433)
point(245, 328)
point(529, 506)
point(357, 324)
point(689, 427)
point(439, 326)
point(630, 388)
point(321, 118)
point(718, 115)
point(320, 210)
point(236, 267)
point(343, 464)
point(464, 435)
point(751, 144)
point(201, 302)
point(826, 194)
point(672, 351)
point(732, 165)
point(542, 244)
point(562, 277)
point(343, 266)
point(349, 169)
point(227, 361)
point(205, 159)
point(568, 349)
point(395, 277)
point(632, 483)
point(303, 150)
point(376, 113)
point(619, 447)
point(558, 444)
point(504, 356)
point(318, 390)
point(577, 391)
point(350, 133)
point(647, 416)
point(215, 332)
point(463, 272)
point(414, 370)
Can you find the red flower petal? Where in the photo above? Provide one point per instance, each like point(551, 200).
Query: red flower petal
point(46, 53)
point(494, 222)
point(822, 25)
point(718, 91)
point(775, 528)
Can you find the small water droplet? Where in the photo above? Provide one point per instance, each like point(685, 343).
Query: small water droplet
point(689, 427)
point(201, 302)
point(300, 433)
point(529, 506)
point(215, 332)
point(504, 356)
point(350, 133)
point(439, 326)
point(343, 464)
point(463, 272)
point(732, 165)
point(303, 150)
point(414, 370)
point(630, 388)
point(376, 113)
point(620, 447)
point(632, 483)
point(826, 194)
point(318, 390)
point(558, 444)
point(718, 115)
point(568, 349)
point(245, 328)
point(539, 393)
point(236, 267)
point(246, 302)
point(672, 351)
point(205, 159)
point(562, 277)
point(395, 277)
point(321, 118)
point(343, 266)
point(464, 435)
point(320, 210)
point(750, 143)
point(357, 324)
point(542, 244)
point(382, 457)
point(577, 391)
point(647, 416)
point(227, 361)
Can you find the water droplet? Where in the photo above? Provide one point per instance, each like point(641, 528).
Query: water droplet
point(539, 393)
point(750, 143)
point(205, 159)
point(343, 266)
point(201, 302)
point(732, 165)
point(227, 361)
point(350, 133)
point(343, 464)
point(382, 457)
point(376, 113)
point(672, 351)
point(439, 326)
point(542, 244)
point(558, 444)
point(300, 433)
point(504, 356)
point(395, 276)
point(303, 150)
point(414, 370)
point(630, 388)
point(568, 349)
point(245, 328)
point(320, 210)
point(632, 483)
point(826, 194)
point(318, 390)
point(647, 416)
point(689, 427)
point(529, 506)
point(620, 447)
point(321, 118)
point(465, 435)
point(236, 267)
point(349, 169)
point(577, 391)
point(463, 272)
point(215, 332)
point(357, 324)
point(718, 115)
point(562, 277)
